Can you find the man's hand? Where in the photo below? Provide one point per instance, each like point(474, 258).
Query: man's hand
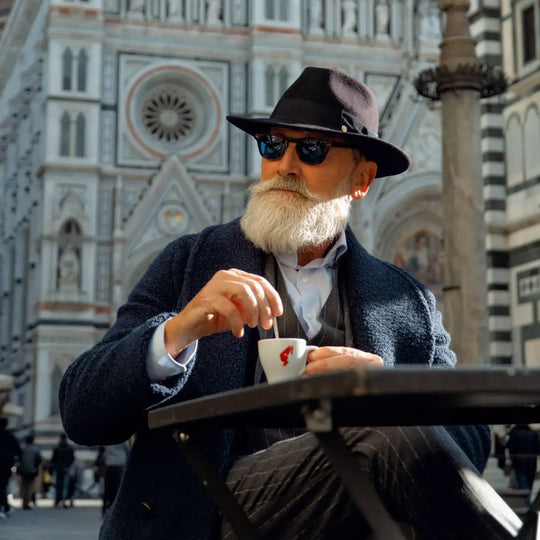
point(327, 359)
point(230, 300)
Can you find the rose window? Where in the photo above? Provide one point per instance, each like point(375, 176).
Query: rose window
point(168, 114)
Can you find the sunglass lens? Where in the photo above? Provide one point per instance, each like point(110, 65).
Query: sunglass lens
point(312, 151)
point(271, 147)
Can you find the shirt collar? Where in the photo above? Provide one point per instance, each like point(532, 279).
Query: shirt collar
point(290, 259)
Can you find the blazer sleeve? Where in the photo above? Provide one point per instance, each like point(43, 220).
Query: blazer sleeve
point(105, 392)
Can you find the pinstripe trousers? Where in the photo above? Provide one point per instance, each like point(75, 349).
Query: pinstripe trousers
point(425, 481)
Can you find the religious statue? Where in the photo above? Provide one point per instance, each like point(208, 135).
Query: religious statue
point(349, 16)
point(382, 19)
point(315, 16)
point(136, 5)
point(136, 9)
point(429, 23)
point(68, 269)
point(175, 9)
point(213, 12)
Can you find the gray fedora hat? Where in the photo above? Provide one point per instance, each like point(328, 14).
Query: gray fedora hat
point(330, 101)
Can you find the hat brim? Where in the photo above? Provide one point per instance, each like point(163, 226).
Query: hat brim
point(390, 159)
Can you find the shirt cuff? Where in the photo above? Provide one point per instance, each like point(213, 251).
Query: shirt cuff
point(159, 363)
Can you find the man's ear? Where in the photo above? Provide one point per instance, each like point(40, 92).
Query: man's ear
point(363, 175)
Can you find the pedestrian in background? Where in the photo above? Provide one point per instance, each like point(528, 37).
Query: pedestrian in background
point(10, 452)
point(523, 446)
point(28, 470)
point(46, 478)
point(115, 461)
point(62, 458)
point(98, 469)
point(76, 477)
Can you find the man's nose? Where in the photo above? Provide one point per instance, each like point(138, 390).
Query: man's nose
point(290, 163)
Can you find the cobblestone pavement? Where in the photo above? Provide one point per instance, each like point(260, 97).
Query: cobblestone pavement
point(81, 522)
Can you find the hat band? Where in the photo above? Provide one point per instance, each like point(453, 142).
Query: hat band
point(303, 112)
point(351, 124)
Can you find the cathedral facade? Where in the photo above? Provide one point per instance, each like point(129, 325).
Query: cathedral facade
point(113, 141)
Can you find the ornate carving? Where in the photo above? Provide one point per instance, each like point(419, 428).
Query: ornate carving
point(172, 219)
point(488, 80)
point(169, 114)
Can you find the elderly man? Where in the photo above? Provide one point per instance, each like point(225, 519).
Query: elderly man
point(191, 325)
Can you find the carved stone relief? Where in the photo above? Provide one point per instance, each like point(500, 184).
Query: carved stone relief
point(424, 145)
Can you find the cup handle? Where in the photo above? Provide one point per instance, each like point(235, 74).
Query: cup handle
point(308, 348)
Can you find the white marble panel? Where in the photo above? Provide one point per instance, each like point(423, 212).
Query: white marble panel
point(496, 323)
point(498, 348)
point(532, 352)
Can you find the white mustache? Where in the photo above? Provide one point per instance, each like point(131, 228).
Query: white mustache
point(287, 184)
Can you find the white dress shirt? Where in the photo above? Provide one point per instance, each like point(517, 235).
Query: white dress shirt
point(308, 288)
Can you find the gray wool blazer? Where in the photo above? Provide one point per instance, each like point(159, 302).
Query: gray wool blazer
point(106, 393)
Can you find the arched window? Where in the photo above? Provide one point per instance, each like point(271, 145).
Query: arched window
point(56, 377)
point(532, 136)
point(276, 81)
point(71, 230)
point(269, 86)
point(80, 127)
point(283, 10)
point(514, 151)
point(269, 9)
point(65, 134)
point(82, 66)
point(276, 10)
point(283, 81)
point(67, 65)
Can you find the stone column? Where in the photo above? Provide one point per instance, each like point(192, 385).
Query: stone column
point(465, 289)
point(459, 82)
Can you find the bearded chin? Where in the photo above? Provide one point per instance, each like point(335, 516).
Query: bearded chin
point(285, 221)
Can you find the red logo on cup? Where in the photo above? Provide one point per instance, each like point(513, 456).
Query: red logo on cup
point(284, 355)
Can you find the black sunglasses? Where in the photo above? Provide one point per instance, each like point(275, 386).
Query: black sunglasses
point(310, 150)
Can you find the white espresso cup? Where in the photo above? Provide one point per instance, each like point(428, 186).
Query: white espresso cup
point(283, 359)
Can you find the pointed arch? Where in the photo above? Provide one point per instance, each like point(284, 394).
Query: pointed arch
point(283, 10)
point(67, 66)
point(531, 129)
point(514, 150)
point(283, 81)
point(65, 134)
point(56, 377)
point(269, 9)
point(269, 86)
point(80, 128)
point(82, 69)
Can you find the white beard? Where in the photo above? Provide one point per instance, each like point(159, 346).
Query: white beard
point(295, 219)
